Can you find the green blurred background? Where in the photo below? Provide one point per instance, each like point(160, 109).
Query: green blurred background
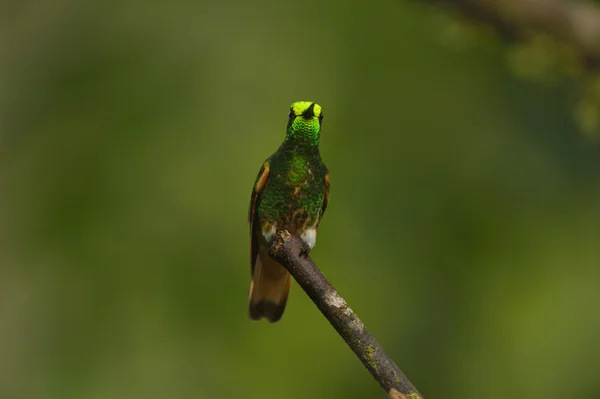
point(463, 225)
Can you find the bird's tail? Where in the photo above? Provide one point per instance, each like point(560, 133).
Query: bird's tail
point(269, 289)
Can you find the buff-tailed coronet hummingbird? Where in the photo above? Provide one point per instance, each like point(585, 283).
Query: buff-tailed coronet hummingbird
point(291, 192)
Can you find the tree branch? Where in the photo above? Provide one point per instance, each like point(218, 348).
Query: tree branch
point(286, 250)
point(575, 23)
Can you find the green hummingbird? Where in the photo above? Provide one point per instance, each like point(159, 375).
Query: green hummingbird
point(291, 192)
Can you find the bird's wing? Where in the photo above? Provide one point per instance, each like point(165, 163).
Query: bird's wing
point(259, 185)
point(325, 195)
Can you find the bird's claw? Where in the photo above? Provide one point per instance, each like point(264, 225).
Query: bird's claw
point(304, 251)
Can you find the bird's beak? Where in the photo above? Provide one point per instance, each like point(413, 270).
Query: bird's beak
point(309, 113)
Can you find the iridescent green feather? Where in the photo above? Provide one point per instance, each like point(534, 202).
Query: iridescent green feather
point(294, 195)
point(290, 192)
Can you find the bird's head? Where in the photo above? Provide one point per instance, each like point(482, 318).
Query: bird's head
point(304, 124)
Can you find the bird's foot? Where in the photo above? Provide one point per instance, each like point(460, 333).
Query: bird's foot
point(305, 250)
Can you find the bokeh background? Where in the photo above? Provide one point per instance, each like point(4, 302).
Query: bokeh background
point(463, 225)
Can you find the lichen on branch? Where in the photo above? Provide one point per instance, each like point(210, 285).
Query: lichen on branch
point(286, 250)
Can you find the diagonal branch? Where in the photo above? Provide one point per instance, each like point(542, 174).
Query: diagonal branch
point(576, 23)
point(286, 250)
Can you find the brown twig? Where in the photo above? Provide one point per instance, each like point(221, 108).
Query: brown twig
point(286, 250)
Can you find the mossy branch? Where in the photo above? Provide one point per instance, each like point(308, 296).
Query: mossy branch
point(576, 23)
point(548, 39)
point(286, 250)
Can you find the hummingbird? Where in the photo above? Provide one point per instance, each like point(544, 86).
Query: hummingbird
point(291, 192)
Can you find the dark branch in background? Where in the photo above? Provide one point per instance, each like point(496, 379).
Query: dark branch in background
point(548, 40)
point(575, 23)
point(286, 250)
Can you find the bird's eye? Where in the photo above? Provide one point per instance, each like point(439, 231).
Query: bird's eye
point(292, 114)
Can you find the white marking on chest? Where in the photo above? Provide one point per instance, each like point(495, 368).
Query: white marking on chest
point(309, 237)
point(270, 233)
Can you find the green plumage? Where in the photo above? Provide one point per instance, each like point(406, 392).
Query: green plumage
point(294, 193)
point(291, 192)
